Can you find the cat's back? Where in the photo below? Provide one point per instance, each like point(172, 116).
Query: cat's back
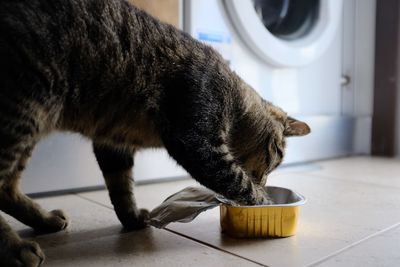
point(87, 55)
point(33, 26)
point(51, 29)
point(72, 49)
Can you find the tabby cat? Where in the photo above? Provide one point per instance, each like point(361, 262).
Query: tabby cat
point(116, 75)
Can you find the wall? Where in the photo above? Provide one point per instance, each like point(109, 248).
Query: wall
point(386, 78)
point(397, 114)
point(165, 10)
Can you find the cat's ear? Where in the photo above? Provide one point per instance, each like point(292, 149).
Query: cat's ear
point(295, 127)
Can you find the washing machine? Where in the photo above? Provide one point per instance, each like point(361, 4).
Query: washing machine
point(304, 56)
point(314, 58)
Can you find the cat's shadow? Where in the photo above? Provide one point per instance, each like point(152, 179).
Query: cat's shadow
point(113, 244)
point(103, 243)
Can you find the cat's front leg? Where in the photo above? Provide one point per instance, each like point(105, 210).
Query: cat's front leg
point(116, 166)
point(206, 156)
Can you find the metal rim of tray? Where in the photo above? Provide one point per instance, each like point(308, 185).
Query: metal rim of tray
point(301, 202)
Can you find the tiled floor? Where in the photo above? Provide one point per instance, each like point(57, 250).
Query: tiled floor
point(352, 218)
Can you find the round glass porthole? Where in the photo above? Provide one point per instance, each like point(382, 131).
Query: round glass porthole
point(287, 19)
point(286, 33)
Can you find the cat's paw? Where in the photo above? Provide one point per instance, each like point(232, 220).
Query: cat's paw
point(56, 221)
point(59, 220)
point(30, 254)
point(136, 222)
point(22, 254)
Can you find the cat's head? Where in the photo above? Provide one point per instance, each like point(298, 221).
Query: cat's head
point(263, 142)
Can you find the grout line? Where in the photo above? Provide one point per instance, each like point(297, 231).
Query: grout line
point(317, 262)
point(86, 189)
point(182, 235)
point(66, 192)
point(94, 201)
point(215, 247)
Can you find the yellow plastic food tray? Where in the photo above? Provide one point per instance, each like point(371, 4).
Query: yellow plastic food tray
point(277, 220)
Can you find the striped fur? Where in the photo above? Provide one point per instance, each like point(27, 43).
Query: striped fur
point(116, 75)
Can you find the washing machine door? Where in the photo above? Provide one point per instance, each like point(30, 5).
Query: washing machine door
point(286, 33)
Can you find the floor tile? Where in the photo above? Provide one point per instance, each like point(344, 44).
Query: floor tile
point(379, 251)
point(95, 239)
point(147, 196)
point(151, 247)
point(349, 200)
point(374, 170)
point(337, 214)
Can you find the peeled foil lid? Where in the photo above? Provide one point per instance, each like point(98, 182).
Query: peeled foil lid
point(187, 204)
point(183, 206)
